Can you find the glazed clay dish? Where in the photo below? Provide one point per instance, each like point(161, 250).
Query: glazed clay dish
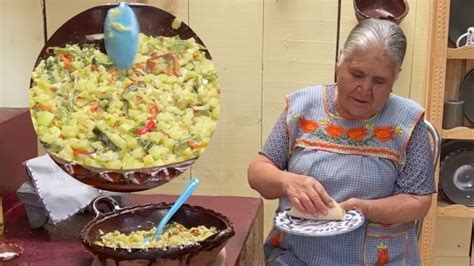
point(394, 10)
point(124, 130)
point(129, 219)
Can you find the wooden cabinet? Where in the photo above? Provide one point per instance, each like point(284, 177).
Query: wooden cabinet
point(448, 67)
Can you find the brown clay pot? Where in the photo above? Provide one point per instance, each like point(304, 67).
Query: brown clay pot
point(123, 180)
point(394, 10)
point(128, 219)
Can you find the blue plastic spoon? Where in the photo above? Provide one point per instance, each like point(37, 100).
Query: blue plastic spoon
point(190, 187)
point(121, 35)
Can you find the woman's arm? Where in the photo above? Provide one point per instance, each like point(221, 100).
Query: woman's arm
point(304, 192)
point(400, 208)
point(266, 178)
point(267, 175)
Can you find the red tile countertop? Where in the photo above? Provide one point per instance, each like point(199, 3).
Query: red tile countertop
point(17, 144)
point(60, 245)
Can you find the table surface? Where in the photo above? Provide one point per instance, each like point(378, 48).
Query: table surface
point(18, 142)
point(59, 244)
point(7, 113)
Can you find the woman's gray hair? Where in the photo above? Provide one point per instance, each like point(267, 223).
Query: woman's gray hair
point(376, 33)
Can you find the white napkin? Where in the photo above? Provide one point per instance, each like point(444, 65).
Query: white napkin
point(61, 194)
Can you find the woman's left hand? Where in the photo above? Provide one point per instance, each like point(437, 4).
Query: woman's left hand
point(354, 203)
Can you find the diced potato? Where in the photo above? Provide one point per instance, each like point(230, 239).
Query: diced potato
point(128, 161)
point(44, 118)
point(88, 161)
point(67, 153)
point(69, 131)
point(159, 152)
point(88, 106)
point(148, 160)
point(156, 137)
point(132, 142)
point(117, 140)
point(127, 126)
point(116, 164)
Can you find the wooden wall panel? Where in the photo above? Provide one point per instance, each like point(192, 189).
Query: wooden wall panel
point(299, 38)
point(299, 50)
point(403, 84)
point(21, 39)
point(60, 11)
point(232, 31)
point(179, 8)
point(421, 51)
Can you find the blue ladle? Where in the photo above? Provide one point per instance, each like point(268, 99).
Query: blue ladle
point(121, 35)
point(190, 187)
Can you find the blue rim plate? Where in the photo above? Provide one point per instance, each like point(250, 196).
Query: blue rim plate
point(304, 227)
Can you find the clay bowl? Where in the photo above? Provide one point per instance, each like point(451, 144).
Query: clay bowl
point(155, 22)
point(123, 180)
point(394, 10)
point(128, 219)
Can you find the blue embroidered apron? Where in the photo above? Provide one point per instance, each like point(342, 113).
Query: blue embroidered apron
point(351, 159)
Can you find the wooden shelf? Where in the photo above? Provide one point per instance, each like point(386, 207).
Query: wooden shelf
point(446, 209)
point(458, 133)
point(447, 68)
point(461, 53)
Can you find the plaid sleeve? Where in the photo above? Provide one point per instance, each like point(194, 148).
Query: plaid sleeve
point(417, 175)
point(276, 146)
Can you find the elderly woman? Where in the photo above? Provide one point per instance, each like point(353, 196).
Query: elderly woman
point(356, 143)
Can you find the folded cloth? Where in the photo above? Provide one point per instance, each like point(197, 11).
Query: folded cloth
point(61, 194)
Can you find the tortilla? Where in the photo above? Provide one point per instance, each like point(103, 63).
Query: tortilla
point(335, 213)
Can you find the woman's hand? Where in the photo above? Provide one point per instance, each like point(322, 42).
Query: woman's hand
point(304, 192)
point(307, 194)
point(353, 203)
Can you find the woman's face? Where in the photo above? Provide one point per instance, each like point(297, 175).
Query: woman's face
point(364, 83)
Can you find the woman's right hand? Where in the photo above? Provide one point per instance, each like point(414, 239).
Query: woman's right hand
point(307, 194)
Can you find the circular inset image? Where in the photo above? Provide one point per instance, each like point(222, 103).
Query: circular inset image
point(124, 130)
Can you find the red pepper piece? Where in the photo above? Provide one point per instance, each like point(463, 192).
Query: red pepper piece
point(149, 126)
point(94, 107)
point(67, 59)
point(194, 144)
point(77, 152)
point(154, 110)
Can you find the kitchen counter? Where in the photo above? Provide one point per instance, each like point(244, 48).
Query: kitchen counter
point(59, 244)
point(18, 143)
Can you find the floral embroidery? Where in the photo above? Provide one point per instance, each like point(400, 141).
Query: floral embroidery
point(307, 125)
point(366, 139)
point(275, 240)
point(384, 134)
point(356, 136)
point(344, 148)
point(334, 131)
point(357, 133)
point(382, 255)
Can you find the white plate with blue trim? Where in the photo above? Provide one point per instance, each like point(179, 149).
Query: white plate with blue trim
point(305, 227)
